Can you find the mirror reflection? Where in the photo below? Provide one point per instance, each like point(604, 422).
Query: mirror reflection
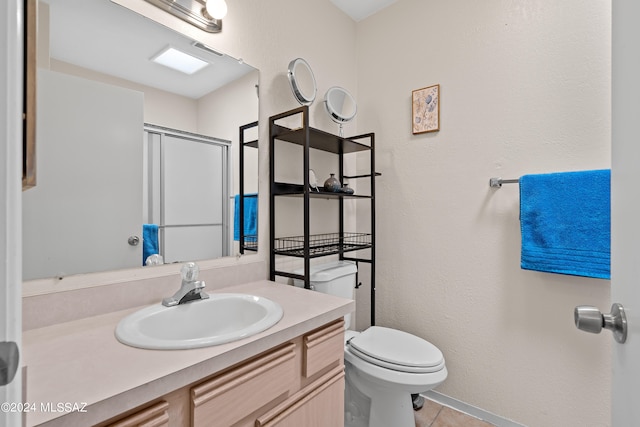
point(126, 144)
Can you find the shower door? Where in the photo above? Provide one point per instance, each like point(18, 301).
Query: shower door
point(188, 194)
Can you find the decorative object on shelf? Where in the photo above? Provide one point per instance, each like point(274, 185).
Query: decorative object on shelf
point(340, 105)
point(332, 183)
point(346, 189)
point(313, 181)
point(302, 81)
point(426, 109)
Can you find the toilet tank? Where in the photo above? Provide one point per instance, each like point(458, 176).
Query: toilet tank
point(334, 278)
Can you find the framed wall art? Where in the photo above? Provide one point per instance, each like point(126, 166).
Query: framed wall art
point(426, 109)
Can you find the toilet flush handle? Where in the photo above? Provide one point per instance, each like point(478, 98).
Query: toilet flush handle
point(590, 319)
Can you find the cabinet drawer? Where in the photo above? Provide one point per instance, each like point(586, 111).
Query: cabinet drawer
point(319, 405)
point(227, 398)
point(323, 348)
point(154, 416)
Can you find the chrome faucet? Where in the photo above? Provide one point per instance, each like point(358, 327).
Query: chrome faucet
point(190, 289)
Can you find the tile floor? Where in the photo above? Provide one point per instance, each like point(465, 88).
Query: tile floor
point(433, 414)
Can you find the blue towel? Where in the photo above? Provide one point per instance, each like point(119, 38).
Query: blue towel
point(565, 222)
point(250, 218)
point(149, 241)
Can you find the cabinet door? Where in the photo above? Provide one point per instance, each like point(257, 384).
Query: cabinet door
point(318, 405)
point(154, 416)
point(228, 398)
point(323, 348)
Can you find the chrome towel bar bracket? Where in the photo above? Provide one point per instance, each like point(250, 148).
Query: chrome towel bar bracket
point(497, 182)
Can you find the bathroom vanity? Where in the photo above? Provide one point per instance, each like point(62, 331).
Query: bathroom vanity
point(78, 374)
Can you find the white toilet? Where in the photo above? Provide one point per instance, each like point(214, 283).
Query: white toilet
point(383, 366)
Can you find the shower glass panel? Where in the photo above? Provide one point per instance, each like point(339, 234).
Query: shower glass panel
point(192, 225)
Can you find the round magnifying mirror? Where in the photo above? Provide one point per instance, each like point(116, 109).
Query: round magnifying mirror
point(302, 81)
point(340, 105)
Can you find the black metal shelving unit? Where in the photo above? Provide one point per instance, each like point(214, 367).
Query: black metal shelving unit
point(307, 246)
point(247, 243)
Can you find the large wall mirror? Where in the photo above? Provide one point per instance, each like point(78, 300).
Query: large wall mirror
point(128, 146)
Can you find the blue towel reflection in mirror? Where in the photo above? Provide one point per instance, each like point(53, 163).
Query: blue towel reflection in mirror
point(149, 241)
point(250, 219)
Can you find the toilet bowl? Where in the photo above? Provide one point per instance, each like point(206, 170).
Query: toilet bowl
point(383, 366)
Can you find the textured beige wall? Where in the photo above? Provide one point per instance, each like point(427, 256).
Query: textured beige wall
point(525, 88)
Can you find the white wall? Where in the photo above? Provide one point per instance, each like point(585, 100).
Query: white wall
point(525, 88)
point(219, 114)
point(160, 107)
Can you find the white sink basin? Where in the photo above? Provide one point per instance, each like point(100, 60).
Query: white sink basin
point(220, 319)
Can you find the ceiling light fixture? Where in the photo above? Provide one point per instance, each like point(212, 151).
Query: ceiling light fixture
point(178, 60)
point(195, 12)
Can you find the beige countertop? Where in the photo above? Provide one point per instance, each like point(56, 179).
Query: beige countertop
point(79, 374)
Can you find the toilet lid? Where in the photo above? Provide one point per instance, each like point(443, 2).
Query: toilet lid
point(396, 350)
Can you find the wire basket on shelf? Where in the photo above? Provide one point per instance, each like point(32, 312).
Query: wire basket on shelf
point(323, 244)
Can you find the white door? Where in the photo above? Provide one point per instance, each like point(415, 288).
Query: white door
point(625, 205)
point(10, 222)
point(88, 200)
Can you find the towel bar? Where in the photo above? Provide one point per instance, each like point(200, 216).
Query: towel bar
point(497, 182)
point(190, 225)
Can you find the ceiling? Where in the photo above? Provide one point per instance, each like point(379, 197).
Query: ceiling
point(360, 9)
point(105, 37)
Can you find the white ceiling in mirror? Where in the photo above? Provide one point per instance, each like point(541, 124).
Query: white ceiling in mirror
point(82, 33)
point(360, 9)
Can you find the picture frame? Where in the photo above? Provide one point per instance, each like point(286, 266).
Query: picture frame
point(425, 111)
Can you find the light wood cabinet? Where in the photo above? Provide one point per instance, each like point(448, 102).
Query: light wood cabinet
point(226, 399)
point(298, 383)
point(153, 416)
point(171, 410)
point(322, 348)
point(318, 405)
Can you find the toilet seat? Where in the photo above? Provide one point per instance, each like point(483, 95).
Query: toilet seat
point(396, 350)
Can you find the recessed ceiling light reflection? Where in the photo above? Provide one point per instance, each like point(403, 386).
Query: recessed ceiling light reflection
point(178, 60)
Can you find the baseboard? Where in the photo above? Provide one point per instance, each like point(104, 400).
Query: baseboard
point(470, 410)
